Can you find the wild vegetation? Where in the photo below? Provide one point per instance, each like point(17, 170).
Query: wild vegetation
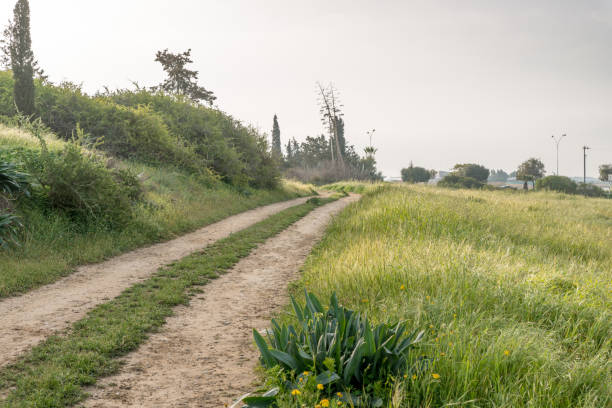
point(54, 373)
point(512, 289)
point(84, 207)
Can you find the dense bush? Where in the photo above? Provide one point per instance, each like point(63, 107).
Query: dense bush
point(233, 150)
point(471, 170)
point(156, 129)
point(415, 174)
point(337, 349)
point(80, 184)
point(455, 181)
point(557, 183)
point(590, 190)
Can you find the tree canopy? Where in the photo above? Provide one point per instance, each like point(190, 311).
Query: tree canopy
point(475, 171)
point(415, 174)
point(605, 170)
point(276, 140)
point(180, 80)
point(17, 53)
point(530, 170)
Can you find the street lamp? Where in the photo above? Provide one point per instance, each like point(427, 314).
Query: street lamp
point(557, 141)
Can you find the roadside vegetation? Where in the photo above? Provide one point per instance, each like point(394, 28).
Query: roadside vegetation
point(85, 207)
point(513, 291)
point(54, 373)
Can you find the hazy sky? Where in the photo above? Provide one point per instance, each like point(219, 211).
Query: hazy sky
point(441, 81)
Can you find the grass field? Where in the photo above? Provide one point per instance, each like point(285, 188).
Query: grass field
point(174, 203)
point(513, 289)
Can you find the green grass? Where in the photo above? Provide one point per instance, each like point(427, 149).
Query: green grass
point(52, 245)
point(513, 289)
point(54, 373)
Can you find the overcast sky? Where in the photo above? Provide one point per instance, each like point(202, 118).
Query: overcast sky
point(441, 81)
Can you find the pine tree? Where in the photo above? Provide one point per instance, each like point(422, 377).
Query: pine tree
point(276, 141)
point(22, 57)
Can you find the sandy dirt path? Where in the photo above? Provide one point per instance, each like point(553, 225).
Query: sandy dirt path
point(26, 320)
point(204, 356)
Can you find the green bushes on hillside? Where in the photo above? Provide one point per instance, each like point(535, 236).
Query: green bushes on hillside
point(155, 129)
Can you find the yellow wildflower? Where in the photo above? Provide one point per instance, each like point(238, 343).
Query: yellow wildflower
point(306, 372)
point(295, 392)
point(339, 403)
point(325, 403)
point(320, 386)
point(339, 395)
point(431, 326)
point(506, 352)
point(414, 376)
point(405, 375)
point(402, 287)
point(435, 376)
point(318, 406)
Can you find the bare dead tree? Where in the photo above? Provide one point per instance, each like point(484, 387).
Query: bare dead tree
point(330, 109)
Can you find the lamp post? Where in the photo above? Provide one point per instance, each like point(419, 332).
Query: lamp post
point(557, 141)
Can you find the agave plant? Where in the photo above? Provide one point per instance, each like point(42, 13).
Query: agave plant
point(338, 345)
point(12, 181)
point(9, 226)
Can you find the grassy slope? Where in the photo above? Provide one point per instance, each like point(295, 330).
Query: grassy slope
point(513, 289)
point(52, 245)
point(53, 373)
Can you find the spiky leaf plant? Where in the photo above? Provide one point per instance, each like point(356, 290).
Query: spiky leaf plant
point(338, 345)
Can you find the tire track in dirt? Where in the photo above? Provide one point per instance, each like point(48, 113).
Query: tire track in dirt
point(204, 355)
point(30, 318)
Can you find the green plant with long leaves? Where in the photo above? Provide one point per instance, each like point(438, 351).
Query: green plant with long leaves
point(12, 181)
point(340, 347)
point(9, 228)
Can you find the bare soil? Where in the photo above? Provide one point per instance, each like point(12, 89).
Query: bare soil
point(27, 319)
point(204, 356)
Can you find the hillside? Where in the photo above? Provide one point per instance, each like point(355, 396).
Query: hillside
point(57, 235)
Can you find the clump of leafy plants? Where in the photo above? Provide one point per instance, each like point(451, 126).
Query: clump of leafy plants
point(12, 184)
point(337, 353)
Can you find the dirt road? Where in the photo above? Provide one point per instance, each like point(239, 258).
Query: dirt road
point(30, 318)
point(204, 355)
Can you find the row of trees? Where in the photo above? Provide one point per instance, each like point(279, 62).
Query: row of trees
point(328, 157)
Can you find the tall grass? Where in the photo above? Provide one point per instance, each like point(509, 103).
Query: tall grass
point(175, 202)
point(514, 290)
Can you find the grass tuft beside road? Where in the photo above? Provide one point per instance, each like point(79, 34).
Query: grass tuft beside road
point(54, 373)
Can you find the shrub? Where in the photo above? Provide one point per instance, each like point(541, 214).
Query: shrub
point(557, 183)
point(78, 182)
point(590, 190)
point(455, 181)
point(9, 227)
point(12, 181)
point(339, 349)
point(471, 170)
point(417, 174)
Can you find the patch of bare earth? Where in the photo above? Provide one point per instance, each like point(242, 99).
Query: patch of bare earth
point(204, 356)
point(27, 319)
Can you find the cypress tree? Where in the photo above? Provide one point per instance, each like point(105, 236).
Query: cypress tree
point(276, 141)
point(22, 58)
